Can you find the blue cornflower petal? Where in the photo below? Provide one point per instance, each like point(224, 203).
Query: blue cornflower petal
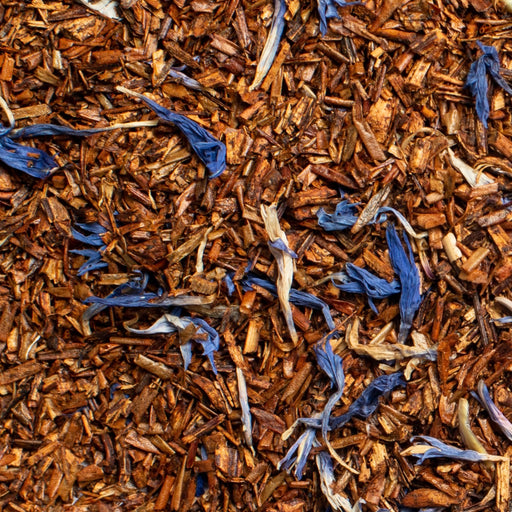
point(327, 9)
point(477, 79)
point(440, 450)
point(302, 446)
point(31, 161)
point(496, 415)
point(362, 281)
point(365, 405)
point(271, 44)
point(95, 230)
point(368, 401)
point(211, 151)
point(297, 297)
point(228, 281)
point(206, 335)
point(332, 365)
point(341, 219)
point(40, 130)
point(403, 264)
point(503, 320)
point(93, 262)
point(279, 244)
point(211, 344)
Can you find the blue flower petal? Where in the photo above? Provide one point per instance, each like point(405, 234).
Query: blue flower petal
point(93, 260)
point(362, 281)
point(442, 450)
point(31, 161)
point(211, 151)
point(297, 297)
point(496, 415)
point(341, 219)
point(403, 264)
point(95, 231)
point(476, 80)
point(279, 244)
point(332, 365)
point(327, 9)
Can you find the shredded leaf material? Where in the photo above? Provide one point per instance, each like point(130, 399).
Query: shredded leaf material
point(285, 265)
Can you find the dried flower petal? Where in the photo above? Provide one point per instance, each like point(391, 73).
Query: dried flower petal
point(436, 449)
point(94, 260)
point(473, 177)
point(285, 265)
point(326, 471)
point(405, 223)
point(386, 352)
point(403, 264)
point(302, 446)
point(341, 219)
point(496, 415)
point(171, 323)
point(469, 438)
point(211, 151)
point(105, 7)
point(271, 44)
point(477, 79)
point(94, 238)
point(244, 405)
point(327, 10)
point(31, 161)
point(365, 405)
point(359, 280)
point(297, 297)
point(332, 365)
point(281, 246)
point(368, 401)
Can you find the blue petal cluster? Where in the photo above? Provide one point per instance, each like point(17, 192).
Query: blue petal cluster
point(94, 256)
point(342, 218)
point(476, 80)
point(362, 281)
